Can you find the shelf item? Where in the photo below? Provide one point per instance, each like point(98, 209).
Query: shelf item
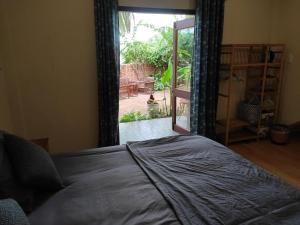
point(255, 70)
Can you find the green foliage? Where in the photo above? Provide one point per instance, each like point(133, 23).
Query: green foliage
point(133, 116)
point(158, 86)
point(158, 52)
point(184, 74)
point(164, 81)
point(137, 116)
point(155, 114)
point(136, 52)
point(167, 75)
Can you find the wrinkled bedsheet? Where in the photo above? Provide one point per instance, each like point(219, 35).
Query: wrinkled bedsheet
point(206, 183)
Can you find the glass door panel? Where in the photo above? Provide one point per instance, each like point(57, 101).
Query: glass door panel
point(184, 58)
point(183, 39)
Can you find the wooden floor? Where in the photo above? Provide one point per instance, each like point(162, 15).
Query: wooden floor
point(280, 160)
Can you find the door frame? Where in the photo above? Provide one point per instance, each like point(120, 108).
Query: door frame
point(177, 93)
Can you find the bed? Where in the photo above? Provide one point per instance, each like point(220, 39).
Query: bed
point(169, 181)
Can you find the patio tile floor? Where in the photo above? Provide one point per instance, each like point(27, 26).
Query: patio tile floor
point(139, 102)
point(146, 129)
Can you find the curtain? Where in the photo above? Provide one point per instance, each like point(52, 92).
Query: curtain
point(206, 60)
point(108, 70)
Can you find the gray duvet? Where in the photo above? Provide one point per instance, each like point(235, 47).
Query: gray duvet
point(170, 181)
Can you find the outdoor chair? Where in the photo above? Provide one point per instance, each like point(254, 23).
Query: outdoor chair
point(146, 85)
point(124, 87)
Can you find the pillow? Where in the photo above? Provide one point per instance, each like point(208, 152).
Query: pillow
point(9, 186)
point(32, 165)
point(11, 213)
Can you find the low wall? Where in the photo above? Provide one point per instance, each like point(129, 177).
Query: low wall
point(135, 72)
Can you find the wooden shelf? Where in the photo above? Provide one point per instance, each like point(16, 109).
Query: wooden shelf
point(274, 64)
point(234, 123)
point(235, 66)
point(262, 79)
point(254, 76)
point(271, 77)
point(223, 95)
point(242, 135)
point(225, 67)
point(259, 92)
point(237, 136)
point(248, 65)
point(267, 110)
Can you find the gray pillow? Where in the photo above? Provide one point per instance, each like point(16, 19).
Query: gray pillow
point(9, 186)
point(11, 213)
point(32, 165)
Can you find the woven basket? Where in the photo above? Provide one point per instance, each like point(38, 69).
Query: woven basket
point(249, 112)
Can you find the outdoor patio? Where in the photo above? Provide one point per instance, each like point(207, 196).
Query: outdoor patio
point(146, 129)
point(139, 103)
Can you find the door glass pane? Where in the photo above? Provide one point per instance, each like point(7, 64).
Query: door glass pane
point(184, 58)
point(183, 113)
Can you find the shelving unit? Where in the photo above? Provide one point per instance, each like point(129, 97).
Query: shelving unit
point(258, 68)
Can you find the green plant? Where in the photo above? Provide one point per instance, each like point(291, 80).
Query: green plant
point(133, 116)
point(159, 49)
point(158, 52)
point(166, 82)
point(155, 114)
point(158, 86)
point(136, 52)
point(184, 75)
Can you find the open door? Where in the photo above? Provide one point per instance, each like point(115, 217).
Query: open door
point(181, 78)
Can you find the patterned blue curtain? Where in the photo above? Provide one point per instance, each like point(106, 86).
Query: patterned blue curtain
point(108, 70)
point(206, 60)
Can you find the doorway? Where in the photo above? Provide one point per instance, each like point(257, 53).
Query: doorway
point(147, 65)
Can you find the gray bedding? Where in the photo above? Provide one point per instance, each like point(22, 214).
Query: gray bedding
point(206, 183)
point(104, 187)
point(170, 181)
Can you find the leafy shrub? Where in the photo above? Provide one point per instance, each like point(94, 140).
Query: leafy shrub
point(136, 52)
point(159, 50)
point(158, 85)
point(133, 116)
point(155, 114)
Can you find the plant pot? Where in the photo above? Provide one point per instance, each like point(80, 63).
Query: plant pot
point(153, 110)
point(279, 134)
point(153, 107)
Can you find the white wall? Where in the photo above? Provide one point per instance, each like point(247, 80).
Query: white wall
point(49, 57)
point(285, 29)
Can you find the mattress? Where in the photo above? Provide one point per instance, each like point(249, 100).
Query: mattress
point(103, 187)
point(169, 181)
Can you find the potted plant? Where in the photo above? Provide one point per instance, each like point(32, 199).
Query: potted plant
point(153, 106)
point(279, 134)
